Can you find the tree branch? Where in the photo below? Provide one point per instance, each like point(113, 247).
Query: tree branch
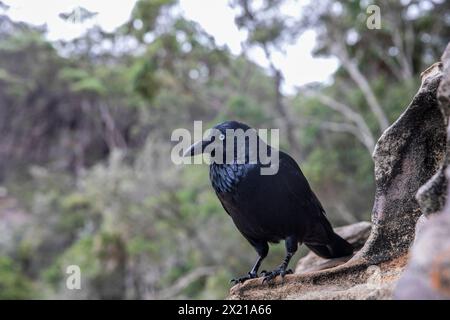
point(280, 106)
point(403, 55)
point(359, 128)
point(183, 282)
point(363, 84)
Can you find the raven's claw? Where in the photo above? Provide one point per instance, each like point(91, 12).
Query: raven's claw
point(244, 278)
point(280, 271)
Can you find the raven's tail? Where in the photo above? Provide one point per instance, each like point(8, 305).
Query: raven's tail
point(338, 247)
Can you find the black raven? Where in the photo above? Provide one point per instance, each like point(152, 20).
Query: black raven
point(268, 208)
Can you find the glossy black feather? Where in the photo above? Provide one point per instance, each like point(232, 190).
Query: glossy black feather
point(270, 208)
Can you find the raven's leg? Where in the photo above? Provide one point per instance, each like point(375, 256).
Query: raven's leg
point(291, 248)
point(262, 248)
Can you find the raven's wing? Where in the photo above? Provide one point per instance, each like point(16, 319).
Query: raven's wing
point(306, 208)
point(293, 181)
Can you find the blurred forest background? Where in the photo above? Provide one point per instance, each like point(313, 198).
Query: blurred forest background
point(85, 125)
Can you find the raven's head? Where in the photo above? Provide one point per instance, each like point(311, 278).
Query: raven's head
point(228, 136)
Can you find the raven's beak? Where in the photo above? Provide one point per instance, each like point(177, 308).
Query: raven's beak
point(196, 148)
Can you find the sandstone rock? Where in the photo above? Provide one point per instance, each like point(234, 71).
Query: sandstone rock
point(406, 156)
point(428, 273)
point(432, 195)
point(351, 281)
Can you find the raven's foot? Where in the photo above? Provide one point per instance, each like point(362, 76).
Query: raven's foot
point(250, 275)
point(280, 271)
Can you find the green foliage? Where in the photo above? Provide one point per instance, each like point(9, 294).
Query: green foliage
point(81, 254)
point(82, 82)
point(265, 34)
point(146, 12)
point(242, 107)
point(13, 285)
point(144, 81)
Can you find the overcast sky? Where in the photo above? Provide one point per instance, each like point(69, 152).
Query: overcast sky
point(215, 16)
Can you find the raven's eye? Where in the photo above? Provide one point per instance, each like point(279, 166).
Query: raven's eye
point(222, 136)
